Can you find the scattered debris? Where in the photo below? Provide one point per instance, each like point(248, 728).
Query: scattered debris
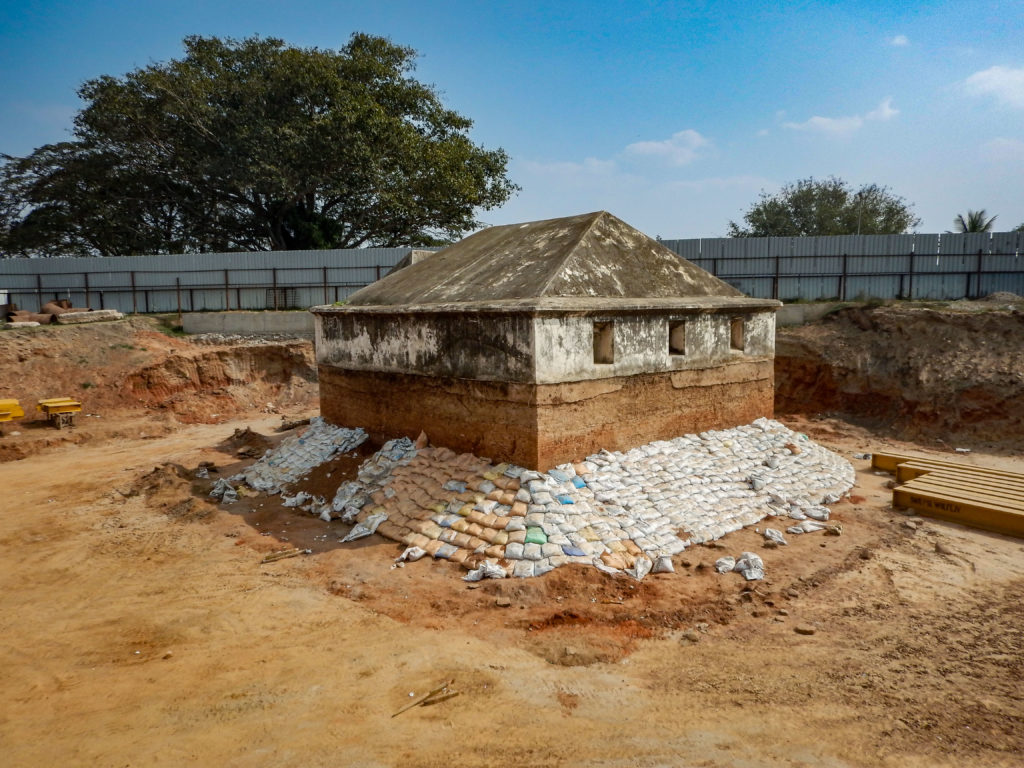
point(273, 557)
point(439, 694)
point(750, 566)
point(725, 564)
point(223, 490)
point(486, 570)
point(770, 534)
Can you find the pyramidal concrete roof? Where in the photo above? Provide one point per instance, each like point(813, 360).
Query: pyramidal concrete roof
point(593, 255)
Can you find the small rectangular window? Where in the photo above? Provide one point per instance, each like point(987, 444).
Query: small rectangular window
point(604, 343)
point(677, 338)
point(736, 341)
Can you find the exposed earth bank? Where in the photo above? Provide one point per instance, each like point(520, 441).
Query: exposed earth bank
point(921, 373)
point(134, 379)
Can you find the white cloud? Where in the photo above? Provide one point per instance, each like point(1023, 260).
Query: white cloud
point(884, 111)
point(681, 149)
point(1004, 84)
point(898, 41)
point(845, 126)
point(1006, 151)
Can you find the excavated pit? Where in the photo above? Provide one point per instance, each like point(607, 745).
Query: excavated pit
point(941, 373)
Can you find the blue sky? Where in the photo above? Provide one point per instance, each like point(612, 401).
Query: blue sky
point(673, 116)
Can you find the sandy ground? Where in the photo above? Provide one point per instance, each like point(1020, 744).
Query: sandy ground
point(139, 628)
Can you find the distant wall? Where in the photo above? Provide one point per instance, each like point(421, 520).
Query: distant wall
point(298, 323)
point(198, 282)
point(849, 267)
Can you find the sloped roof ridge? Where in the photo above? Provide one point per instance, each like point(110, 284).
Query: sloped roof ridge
point(570, 253)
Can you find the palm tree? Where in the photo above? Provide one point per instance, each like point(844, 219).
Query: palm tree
point(975, 221)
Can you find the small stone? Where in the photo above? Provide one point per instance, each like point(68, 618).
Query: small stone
point(783, 612)
point(503, 601)
point(943, 549)
point(689, 636)
point(804, 629)
point(168, 655)
point(792, 592)
point(910, 525)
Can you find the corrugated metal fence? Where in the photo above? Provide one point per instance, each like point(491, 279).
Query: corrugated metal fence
point(197, 281)
point(920, 266)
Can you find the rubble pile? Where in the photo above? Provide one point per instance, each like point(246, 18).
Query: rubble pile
point(618, 511)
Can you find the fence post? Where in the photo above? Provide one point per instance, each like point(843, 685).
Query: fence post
point(378, 271)
point(227, 292)
point(39, 289)
point(85, 275)
point(325, 286)
point(177, 290)
point(977, 279)
point(842, 281)
point(910, 278)
point(135, 300)
point(273, 277)
point(775, 280)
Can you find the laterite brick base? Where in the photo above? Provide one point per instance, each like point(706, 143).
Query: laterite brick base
point(541, 426)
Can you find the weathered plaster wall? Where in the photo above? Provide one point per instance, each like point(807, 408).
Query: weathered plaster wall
point(545, 349)
point(565, 348)
point(460, 345)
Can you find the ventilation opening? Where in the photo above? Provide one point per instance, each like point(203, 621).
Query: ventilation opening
point(282, 298)
point(677, 338)
point(604, 343)
point(736, 341)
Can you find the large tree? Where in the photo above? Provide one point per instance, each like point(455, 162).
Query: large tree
point(254, 145)
point(826, 207)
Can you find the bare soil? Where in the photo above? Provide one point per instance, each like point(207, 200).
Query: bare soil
point(140, 627)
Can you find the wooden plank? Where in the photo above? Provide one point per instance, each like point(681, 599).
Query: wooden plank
point(979, 483)
point(965, 494)
point(961, 511)
point(888, 462)
point(910, 469)
point(907, 468)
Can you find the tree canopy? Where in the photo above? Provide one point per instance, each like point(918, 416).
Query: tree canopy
point(826, 207)
point(254, 145)
point(974, 221)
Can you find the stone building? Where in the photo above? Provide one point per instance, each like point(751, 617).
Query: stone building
point(543, 342)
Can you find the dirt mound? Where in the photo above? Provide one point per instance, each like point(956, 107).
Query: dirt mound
point(246, 443)
point(923, 373)
point(171, 489)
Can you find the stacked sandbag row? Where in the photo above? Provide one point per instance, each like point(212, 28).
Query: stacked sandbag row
point(619, 511)
point(298, 454)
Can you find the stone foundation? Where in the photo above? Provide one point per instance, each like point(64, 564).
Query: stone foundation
point(541, 426)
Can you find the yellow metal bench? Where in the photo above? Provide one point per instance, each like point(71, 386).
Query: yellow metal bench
point(10, 409)
point(59, 410)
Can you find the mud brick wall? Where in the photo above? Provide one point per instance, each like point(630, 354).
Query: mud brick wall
point(540, 426)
